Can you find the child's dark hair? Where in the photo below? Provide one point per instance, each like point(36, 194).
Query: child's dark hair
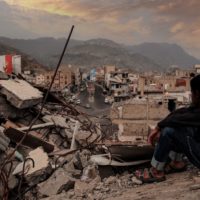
point(195, 83)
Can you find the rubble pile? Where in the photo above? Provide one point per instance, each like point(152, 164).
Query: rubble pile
point(54, 152)
point(48, 156)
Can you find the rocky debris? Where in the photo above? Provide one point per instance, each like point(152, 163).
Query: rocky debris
point(82, 188)
point(99, 189)
point(85, 137)
point(58, 182)
point(136, 181)
point(20, 93)
point(75, 166)
point(54, 160)
point(37, 166)
point(4, 141)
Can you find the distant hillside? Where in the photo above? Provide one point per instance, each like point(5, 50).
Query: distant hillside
point(93, 55)
point(97, 52)
point(89, 53)
point(165, 54)
point(28, 63)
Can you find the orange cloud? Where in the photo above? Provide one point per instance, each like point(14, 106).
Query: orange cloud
point(177, 27)
point(59, 7)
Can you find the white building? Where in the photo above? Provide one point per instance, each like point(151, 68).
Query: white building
point(10, 64)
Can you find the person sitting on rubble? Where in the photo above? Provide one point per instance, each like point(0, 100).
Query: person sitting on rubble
point(177, 135)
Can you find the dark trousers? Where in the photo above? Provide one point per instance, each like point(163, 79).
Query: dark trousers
point(173, 143)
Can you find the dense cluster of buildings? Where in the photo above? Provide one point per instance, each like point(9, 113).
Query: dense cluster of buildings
point(118, 83)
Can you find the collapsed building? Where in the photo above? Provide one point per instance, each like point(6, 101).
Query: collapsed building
point(53, 144)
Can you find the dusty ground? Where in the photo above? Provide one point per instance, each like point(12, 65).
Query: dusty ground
point(180, 186)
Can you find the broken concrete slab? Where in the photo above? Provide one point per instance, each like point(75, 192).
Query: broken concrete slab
point(40, 169)
point(59, 181)
point(66, 133)
point(20, 93)
point(9, 111)
point(30, 140)
point(57, 119)
point(82, 187)
point(89, 173)
point(56, 139)
point(41, 162)
point(85, 137)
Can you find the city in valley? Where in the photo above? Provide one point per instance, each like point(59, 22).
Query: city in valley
point(99, 100)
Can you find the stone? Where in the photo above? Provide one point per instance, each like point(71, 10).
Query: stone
point(136, 181)
point(56, 139)
point(65, 145)
point(59, 181)
point(70, 169)
point(41, 167)
point(110, 180)
point(20, 93)
point(89, 173)
point(82, 187)
point(85, 137)
point(66, 133)
point(12, 182)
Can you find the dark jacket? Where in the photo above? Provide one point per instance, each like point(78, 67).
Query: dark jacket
point(182, 117)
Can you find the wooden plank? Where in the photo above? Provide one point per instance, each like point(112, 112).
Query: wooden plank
point(30, 140)
point(37, 126)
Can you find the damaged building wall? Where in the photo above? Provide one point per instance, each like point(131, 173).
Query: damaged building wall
point(135, 118)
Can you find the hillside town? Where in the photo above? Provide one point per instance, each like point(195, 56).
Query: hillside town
point(118, 84)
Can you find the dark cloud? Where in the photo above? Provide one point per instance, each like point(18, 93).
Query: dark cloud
point(127, 21)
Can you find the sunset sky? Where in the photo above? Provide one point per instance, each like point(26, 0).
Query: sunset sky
point(124, 21)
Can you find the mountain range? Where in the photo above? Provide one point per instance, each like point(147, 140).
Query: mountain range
point(98, 52)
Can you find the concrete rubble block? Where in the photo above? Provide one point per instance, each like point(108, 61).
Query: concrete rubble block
point(85, 137)
point(9, 111)
point(70, 169)
point(58, 120)
point(136, 181)
point(66, 133)
point(41, 168)
point(82, 187)
point(59, 181)
point(56, 139)
point(77, 163)
point(20, 93)
point(110, 180)
point(89, 173)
